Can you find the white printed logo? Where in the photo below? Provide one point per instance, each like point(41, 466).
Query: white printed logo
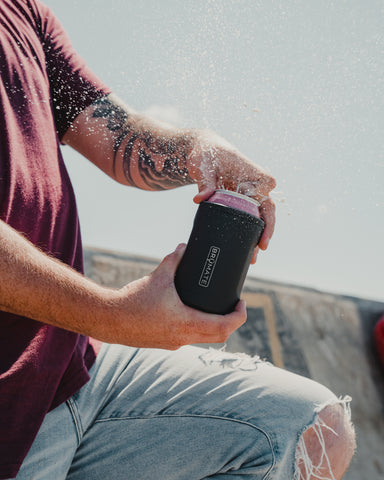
point(209, 266)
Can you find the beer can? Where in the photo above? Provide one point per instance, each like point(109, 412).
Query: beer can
point(225, 232)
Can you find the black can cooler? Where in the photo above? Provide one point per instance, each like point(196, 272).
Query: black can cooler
point(211, 274)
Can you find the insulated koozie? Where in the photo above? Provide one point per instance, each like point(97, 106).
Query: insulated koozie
point(211, 273)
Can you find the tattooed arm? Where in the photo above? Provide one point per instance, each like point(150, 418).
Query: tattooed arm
point(138, 151)
point(131, 148)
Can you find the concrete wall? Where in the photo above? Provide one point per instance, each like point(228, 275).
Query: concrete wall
point(323, 336)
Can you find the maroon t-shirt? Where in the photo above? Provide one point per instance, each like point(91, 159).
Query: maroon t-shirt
point(44, 85)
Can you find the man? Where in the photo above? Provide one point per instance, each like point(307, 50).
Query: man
point(80, 398)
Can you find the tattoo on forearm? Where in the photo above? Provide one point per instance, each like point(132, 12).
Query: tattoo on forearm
point(115, 115)
point(158, 163)
point(117, 119)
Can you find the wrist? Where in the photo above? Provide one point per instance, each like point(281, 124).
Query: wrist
point(101, 312)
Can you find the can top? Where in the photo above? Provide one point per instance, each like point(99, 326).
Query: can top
point(236, 200)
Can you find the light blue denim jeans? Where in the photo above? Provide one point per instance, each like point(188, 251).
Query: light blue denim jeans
point(183, 415)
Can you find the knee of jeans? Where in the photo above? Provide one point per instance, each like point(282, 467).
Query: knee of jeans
point(325, 449)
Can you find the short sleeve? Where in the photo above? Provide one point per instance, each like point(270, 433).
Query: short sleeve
point(73, 85)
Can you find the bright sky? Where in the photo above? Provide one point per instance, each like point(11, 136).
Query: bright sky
point(298, 86)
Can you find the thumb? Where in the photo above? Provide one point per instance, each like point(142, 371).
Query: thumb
point(205, 191)
point(171, 261)
point(206, 182)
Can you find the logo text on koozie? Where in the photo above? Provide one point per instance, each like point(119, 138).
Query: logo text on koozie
point(209, 266)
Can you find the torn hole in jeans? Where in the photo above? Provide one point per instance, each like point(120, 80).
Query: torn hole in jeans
point(304, 467)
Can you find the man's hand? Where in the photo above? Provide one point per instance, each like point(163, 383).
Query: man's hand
point(214, 163)
point(152, 314)
point(144, 313)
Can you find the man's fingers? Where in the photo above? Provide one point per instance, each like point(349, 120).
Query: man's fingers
point(258, 189)
point(254, 256)
point(241, 310)
point(208, 328)
point(267, 213)
point(204, 193)
point(268, 182)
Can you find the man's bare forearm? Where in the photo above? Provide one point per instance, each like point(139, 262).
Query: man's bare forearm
point(37, 286)
point(133, 149)
point(144, 313)
point(152, 158)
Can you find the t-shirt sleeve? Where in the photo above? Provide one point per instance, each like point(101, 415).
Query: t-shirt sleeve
point(73, 85)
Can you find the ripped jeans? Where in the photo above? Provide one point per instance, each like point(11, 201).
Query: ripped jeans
point(184, 415)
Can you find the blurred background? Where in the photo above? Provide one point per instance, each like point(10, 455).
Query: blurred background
point(297, 86)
